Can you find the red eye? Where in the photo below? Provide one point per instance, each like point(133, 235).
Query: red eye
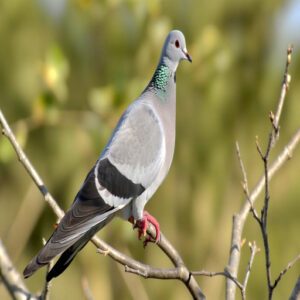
point(177, 44)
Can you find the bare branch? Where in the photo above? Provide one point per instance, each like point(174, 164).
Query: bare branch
point(258, 148)
point(245, 182)
point(226, 273)
point(213, 274)
point(273, 137)
point(86, 288)
point(239, 219)
point(12, 279)
point(288, 266)
point(45, 293)
point(284, 89)
point(180, 271)
point(6, 131)
point(253, 250)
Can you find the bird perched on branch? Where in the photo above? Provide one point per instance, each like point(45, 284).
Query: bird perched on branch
point(131, 167)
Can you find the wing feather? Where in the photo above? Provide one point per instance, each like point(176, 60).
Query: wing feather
point(137, 149)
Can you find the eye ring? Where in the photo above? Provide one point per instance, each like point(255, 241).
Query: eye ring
point(177, 45)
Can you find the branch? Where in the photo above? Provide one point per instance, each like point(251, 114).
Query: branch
point(288, 266)
point(239, 219)
point(253, 250)
point(245, 182)
point(284, 89)
point(242, 286)
point(180, 271)
point(273, 138)
point(12, 279)
point(6, 131)
point(225, 273)
point(45, 293)
point(86, 289)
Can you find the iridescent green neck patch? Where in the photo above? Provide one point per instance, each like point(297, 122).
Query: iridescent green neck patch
point(160, 78)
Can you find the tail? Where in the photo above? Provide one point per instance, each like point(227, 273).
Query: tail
point(45, 256)
point(67, 257)
point(33, 265)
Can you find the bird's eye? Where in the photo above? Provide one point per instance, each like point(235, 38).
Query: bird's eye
point(177, 44)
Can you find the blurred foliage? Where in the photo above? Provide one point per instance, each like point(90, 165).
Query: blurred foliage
point(67, 71)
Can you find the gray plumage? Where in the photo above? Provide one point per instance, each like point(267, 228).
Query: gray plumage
point(130, 169)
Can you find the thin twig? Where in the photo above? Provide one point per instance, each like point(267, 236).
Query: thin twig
point(245, 182)
point(285, 86)
point(264, 222)
point(224, 273)
point(258, 148)
point(12, 279)
point(180, 271)
point(239, 219)
point(86, 288)
point(242, 286)
point(253, 250)
point(45, 295)
point(288, 266)
point(273, 137)
point(6, 131)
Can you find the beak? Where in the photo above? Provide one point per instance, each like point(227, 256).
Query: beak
point(188, 57)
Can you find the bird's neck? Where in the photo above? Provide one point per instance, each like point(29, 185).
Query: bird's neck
point(162, 81)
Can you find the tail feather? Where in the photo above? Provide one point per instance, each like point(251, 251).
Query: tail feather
point(32, 267)
point(88, 214)
point(67, 257)
point(69, 252)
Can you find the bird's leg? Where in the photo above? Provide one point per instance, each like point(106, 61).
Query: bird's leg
point(142, 225)
point(132, 220)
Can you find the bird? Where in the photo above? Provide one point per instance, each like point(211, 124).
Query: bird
point(129, 170)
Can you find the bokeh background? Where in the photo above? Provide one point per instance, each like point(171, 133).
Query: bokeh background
point(67, 71)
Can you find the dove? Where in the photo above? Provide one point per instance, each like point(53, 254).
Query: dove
point(128, 172)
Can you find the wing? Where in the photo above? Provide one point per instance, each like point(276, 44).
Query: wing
point(137, 149)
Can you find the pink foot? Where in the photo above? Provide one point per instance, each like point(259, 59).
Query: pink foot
point(143, 225)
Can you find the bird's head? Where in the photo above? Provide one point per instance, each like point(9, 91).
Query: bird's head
point(174, 49)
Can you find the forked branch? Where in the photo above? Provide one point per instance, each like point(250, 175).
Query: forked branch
point(179, 272)
point(269, 170)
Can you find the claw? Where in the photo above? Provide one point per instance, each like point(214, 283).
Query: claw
point(142, 226)
point(131, 220)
